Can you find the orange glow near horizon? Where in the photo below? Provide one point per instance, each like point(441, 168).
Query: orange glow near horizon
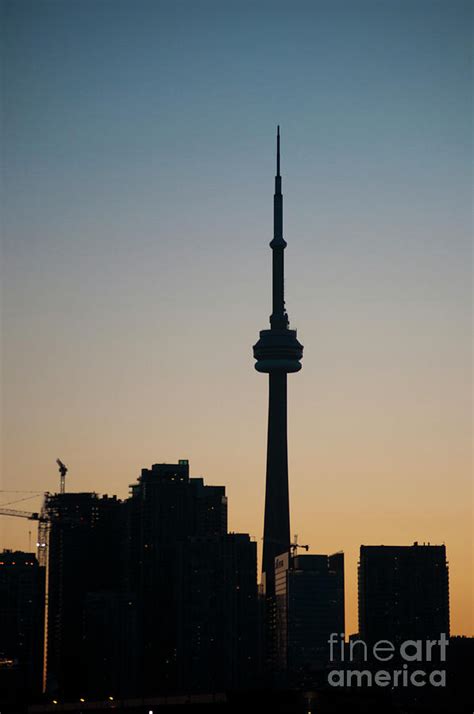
point(340, 497)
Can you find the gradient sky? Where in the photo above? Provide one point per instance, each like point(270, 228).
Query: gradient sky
point(138, 155)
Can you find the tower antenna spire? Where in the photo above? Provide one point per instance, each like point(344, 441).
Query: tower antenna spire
point(279, 317)
point(278, 151)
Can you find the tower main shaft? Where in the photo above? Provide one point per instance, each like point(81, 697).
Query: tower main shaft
point(277, 352)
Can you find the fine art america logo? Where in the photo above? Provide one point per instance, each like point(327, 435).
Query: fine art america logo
point(420, 655)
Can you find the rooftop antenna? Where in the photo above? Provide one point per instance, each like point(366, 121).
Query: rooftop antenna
point(62, 477)
point(295, 545)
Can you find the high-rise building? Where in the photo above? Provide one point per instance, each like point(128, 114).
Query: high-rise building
point(166, 510)
point(84, 561)
point(403, 592)
point(22, 583)
point(278, 353)
point(309, 607)
point(172, 505)
point(218, 613)
point(151, 595)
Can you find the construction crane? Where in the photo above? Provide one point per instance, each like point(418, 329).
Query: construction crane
point(43, 529)
point(45, 520)
point(62, 478)
point(32, 516)
point(44, 524)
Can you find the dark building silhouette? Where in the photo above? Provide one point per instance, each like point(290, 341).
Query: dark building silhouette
point(84, 569)
point(403, 592)
point(22, 583)
point(110, 644)
point(150, 595)
point(309, 607)
point(191, 582)
point(218, 615)
point(277, 352)
point(460, 658)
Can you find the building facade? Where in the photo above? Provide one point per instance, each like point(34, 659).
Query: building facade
point(84, 562)
point(22, 583)
point(218, 613)
point(309, 607)
point(403, 592)
point(194, 584)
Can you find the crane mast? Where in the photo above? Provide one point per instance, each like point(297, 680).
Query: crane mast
point(62, 475)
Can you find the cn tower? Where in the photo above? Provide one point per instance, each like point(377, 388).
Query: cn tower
point(277, 352)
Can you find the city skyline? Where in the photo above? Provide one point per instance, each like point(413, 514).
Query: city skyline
point(138, 195)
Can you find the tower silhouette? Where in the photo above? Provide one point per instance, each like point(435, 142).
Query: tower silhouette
point(277, 352)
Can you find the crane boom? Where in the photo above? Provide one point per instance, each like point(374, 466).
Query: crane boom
point(32, 516)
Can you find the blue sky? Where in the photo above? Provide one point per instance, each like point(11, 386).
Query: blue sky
point(138, 156)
